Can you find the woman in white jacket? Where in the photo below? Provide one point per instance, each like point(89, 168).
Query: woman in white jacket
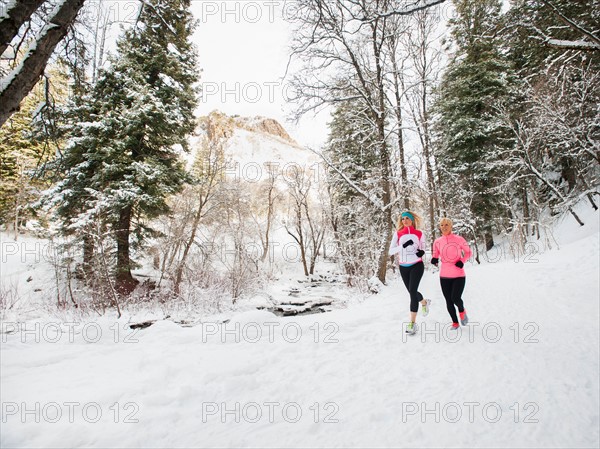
point(409, 245)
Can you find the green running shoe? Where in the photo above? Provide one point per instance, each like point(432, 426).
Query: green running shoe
point(425, 308)
point(411, 329)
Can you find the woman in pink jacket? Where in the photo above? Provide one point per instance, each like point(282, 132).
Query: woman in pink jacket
point(453, 251)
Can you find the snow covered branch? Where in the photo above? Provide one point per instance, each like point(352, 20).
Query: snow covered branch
point(17, 14)
point(580, 44)
point(18, 83)
point(574, 25)
point(573, 45)
point(408, 10)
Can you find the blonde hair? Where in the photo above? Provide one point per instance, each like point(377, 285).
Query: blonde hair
point(416, 221)
point(445, 220)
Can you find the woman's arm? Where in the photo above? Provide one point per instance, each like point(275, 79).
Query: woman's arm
point(436, 250)
point(422, 242)
point(466, 250)
point(394, 247)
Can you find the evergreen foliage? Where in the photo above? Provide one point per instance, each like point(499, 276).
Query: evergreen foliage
point(121, 161)
point(471, 134)
point(22, 154)
point(352, 149)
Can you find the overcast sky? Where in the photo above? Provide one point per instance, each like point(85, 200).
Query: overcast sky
point(243, 52)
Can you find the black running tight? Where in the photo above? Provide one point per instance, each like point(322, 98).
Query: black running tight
point(412, 277)
point(453, 289)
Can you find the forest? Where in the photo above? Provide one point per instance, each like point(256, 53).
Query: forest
point(482, 111)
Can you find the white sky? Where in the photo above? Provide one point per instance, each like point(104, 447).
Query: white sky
point(243, 52)
point(243, 48)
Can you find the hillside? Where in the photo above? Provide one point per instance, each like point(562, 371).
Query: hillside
point(254, 142)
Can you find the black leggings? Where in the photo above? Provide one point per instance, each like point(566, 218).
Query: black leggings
point(453, 289)
point(412, 277)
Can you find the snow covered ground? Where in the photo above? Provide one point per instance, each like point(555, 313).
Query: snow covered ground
point(523, 373)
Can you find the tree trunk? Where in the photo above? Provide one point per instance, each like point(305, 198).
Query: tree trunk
point(316, 245)
point(269, 220)
point(475, 245)
point(526, 214)
point(433, 195)
point(17, 205)
point(187, 247)
point(380, 119)
point(398, 110)
point(22, 80)
point(303, 256)
point(14, 19)
point(301, 243)
point(88, 254)
point(489, 240)
point(125, 282)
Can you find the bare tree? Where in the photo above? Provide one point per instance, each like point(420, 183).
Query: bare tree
point(208, 171)
point(100, 27)
point(308, 224)
point(341, 43)
point(268, 189)
point(397, 28)
point(425, 59)
point(299, 187)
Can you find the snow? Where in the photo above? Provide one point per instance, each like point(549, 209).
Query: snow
point(250, 148)
point(169, 81)
point(253, 153)
point(6, 7)
point(524, 373)
point(173, 49)
point(579, 44)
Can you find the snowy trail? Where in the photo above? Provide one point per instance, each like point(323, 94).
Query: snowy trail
point(357, 380)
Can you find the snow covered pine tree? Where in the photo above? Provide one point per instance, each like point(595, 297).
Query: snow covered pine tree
point(122, 155)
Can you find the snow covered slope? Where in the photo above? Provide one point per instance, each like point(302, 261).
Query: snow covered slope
point(254, 143)
point(524, 373)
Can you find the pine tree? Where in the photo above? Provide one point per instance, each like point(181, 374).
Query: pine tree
point(358, 225)
point(470, 132)
point(121, 161)
point(528, 26)
point(21, 154)
point(559, 115)
point(18, 158)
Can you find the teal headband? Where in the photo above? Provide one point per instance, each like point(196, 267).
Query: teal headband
point(407, 214)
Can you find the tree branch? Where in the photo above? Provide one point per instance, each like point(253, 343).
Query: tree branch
point(572, 24)
point(14, 18)
point(572, 45)
point(15, 87)
point(408, 10)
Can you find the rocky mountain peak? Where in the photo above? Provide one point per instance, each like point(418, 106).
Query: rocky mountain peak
point(218, 125)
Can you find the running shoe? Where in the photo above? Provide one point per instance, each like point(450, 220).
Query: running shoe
point(464, 319)
point(425, 308)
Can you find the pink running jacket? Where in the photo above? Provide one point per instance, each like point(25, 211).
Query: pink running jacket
point(449, 249)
